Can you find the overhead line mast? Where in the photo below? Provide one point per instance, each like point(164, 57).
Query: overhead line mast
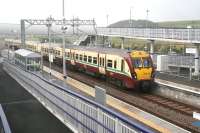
point(64, 28)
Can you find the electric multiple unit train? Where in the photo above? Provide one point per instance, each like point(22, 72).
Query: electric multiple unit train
point(131, 69)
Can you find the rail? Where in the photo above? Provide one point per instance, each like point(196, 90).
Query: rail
point(83, 113)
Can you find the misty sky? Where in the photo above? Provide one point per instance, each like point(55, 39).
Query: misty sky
point(11, 11)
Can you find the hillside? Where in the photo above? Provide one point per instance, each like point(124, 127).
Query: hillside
point(133, 23)
point(150, 24)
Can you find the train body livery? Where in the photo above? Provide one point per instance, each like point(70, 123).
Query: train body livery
point(131, 69)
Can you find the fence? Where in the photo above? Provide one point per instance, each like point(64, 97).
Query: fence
point(81, 113)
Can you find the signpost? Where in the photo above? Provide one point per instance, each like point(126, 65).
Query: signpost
point(51, 58)
point(190, 51)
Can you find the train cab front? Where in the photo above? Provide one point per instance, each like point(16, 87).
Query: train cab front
point(143, 70)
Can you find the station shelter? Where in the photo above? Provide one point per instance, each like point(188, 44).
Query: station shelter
point(27, 60)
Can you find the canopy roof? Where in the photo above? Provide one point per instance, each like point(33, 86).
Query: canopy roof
point(27, 53)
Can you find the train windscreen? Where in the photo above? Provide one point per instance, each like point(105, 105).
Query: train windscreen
point(137, 62)
point(146, 62)
point(142, 62)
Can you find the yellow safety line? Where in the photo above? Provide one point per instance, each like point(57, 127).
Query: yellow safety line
point(111, 102)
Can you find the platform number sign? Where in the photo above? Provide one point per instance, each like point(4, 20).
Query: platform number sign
point(196, 116)
point(51, 57)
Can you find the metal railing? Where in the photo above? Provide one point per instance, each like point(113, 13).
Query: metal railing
point(187, 35)
point(82, 113)
point(4, 126)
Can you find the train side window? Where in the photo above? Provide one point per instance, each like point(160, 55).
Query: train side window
point(85, 58)
point(94, 60)
point(81, 57)
point(103, 62)
point(109, 63)
point(90, 59)
point(76, 56)
point(115, 64)
point(122, 66)
point(58, 52)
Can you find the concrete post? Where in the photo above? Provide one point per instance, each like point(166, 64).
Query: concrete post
point(196, 60)
point(152, 46)
point(23, 35)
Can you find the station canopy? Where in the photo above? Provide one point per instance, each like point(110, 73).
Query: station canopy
point(27, 53)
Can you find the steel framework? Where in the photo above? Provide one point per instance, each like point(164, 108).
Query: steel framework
point(49, 21)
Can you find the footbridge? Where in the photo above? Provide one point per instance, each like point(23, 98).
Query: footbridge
point(188, 36)
point(160, 34)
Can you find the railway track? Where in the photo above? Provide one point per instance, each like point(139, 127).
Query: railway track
point(173, 111)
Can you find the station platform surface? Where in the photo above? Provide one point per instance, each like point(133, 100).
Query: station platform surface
point(24, 113)
point(181, 83)
point(130, 111)
point(179, 80)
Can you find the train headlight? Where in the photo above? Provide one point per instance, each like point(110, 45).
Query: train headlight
point(134, 75)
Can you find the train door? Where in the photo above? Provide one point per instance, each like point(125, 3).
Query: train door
point(102, 63)
point(72, 57)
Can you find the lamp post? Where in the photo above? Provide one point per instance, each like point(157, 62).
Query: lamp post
point(49, 24)
point(107, 16)
point(64, 28)
point(189, 27)
point(146, 26)
point(147, 17)
point(130, 23)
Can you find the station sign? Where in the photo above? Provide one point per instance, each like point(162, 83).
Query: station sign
point(50, 57)
point(190, 50)
point(196, 116)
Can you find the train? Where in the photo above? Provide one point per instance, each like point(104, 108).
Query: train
point(131, 69)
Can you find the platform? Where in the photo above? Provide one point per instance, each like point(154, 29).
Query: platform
point(133, 112)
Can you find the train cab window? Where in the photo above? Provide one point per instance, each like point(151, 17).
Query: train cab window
point(81, 57)
point(115, 64)
point(76, 56)
point(122, 66)
point(147, 62)
point(94, 60)
point(137, 62)
point(90, 59)
point(85, 58)
point(109, 63)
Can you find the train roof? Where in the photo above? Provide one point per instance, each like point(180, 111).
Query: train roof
point(105, 50)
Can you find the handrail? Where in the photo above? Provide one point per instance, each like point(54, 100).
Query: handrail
point(3, 118)
point(121, 117)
